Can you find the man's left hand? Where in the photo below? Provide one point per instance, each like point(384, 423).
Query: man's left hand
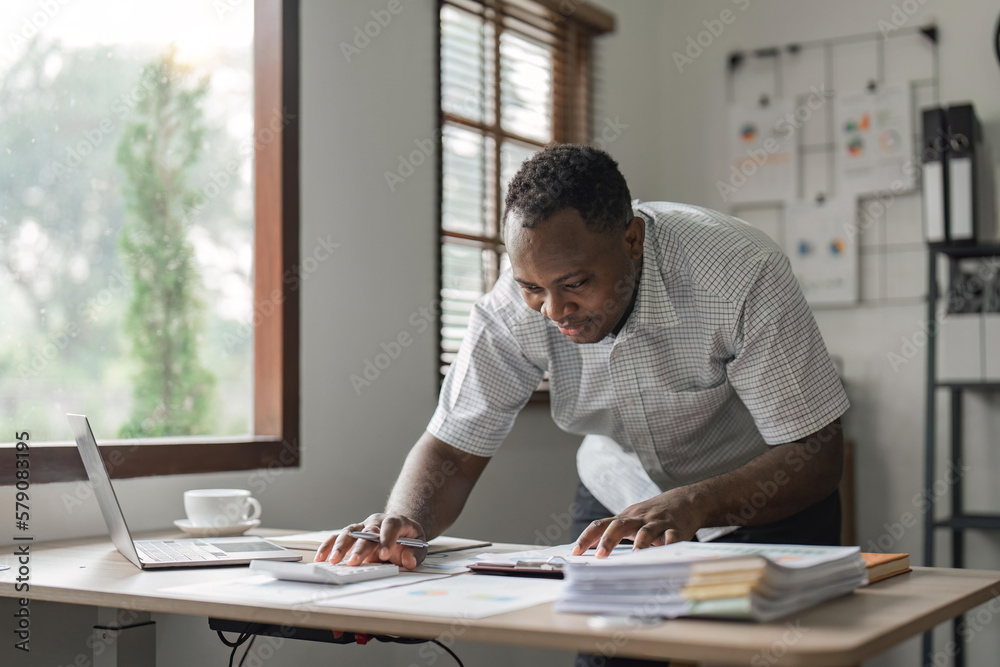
point(663, 519)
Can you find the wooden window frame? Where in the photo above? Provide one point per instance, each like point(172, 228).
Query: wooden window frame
point(578, 24)
point(275, 441)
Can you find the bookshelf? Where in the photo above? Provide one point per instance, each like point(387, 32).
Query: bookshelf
point(956, 521)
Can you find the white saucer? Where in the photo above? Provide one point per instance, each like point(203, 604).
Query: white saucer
point(216, 531)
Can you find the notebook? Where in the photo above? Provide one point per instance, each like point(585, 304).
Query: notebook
point(147, 554)
point(882, 566)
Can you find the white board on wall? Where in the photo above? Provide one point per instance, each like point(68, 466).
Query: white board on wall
point(763, 156)
point(823, 250)
point(874, 140)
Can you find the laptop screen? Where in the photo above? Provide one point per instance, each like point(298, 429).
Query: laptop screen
point(101, 482)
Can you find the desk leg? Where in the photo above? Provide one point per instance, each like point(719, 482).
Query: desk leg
point(123, 638)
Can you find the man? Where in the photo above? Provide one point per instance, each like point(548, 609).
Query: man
point(676, 340)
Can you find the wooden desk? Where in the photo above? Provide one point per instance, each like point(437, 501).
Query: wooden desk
point(842, 632)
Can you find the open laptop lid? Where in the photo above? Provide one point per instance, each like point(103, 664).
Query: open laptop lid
point(101, 482)
point(224, 550)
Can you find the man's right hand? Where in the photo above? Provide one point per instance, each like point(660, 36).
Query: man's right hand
point(355, 551)
point(431, 490)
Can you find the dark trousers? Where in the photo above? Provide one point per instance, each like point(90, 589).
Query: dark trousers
point(818, 525)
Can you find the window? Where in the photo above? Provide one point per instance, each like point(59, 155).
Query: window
point(514, 78)
point(254, 70)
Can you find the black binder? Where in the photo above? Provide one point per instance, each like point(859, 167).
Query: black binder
point(970, 200)
point(933, 155)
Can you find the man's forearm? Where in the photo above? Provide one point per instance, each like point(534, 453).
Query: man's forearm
point(781, 482)
point(777, 484)
point(434, 484)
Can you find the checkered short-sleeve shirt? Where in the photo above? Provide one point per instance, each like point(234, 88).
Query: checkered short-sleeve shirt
point(720, 358)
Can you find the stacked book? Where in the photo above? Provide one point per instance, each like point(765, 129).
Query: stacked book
point(743, 581)
point(882, 566)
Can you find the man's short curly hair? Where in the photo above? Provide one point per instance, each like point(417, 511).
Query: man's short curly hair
point(570, 176)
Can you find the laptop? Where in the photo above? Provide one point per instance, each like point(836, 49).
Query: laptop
point(147, 554)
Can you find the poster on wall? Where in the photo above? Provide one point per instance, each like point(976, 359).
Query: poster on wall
point(874, 140)
point(822, 249)
point(763, 160)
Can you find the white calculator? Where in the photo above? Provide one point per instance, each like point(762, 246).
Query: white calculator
point(323, 573)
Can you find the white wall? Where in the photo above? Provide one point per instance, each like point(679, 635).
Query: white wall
point(357, 118)
point(886, 418)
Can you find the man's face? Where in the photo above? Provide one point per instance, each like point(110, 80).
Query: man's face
point(584, 281)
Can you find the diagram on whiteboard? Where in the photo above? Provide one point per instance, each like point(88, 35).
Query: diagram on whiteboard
point(856, 137)
point(874, 135)
point(823, 254)
point(763, 160)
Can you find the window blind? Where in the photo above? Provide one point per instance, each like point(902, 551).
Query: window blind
point(513, 79)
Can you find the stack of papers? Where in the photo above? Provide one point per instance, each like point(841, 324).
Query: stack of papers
point(743, 581)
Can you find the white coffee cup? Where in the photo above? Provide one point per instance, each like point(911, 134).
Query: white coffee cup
point(218, 508)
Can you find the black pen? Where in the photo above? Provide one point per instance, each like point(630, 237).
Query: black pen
point(405, 541)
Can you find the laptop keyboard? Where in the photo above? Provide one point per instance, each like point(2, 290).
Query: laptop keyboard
point(161, 551)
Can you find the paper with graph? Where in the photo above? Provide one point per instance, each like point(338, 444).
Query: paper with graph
point(463, 596)
point(874, 136)
point(821, 242)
